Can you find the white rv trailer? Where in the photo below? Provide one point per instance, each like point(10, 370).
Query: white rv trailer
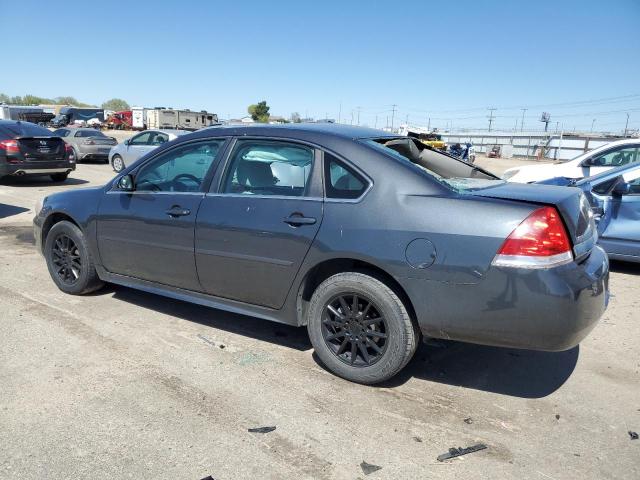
point(163, 118)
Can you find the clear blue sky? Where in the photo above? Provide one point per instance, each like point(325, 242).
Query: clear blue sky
point(447, 60)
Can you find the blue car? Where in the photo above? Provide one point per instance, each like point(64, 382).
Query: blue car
point(614, 196)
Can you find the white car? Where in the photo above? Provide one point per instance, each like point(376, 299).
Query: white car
point(130, 150)
point(614, 154)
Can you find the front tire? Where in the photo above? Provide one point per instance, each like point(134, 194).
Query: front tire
point(117, 163)
point(69, 261)
point(360, 329)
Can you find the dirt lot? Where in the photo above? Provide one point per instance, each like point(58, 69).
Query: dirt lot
point(123, 384)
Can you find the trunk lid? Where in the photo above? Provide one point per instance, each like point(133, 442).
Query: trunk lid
point(100, 140)
point(41, 148)
point(570, 202)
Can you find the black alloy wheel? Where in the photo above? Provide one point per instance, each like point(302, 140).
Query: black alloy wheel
point(66, 259)
point(354, 329)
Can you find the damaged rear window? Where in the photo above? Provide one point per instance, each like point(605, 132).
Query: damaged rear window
point(456, 174)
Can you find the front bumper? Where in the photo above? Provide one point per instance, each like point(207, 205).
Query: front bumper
point(548, 309)
point(36, 168)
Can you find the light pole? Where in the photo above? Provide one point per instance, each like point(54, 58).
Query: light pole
point(626, 125)
point(592, 122)
point(491, 109)
point(522, 122)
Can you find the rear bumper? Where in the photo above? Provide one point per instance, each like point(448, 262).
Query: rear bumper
point(36, 168)
point(94, 152)
point(547, 309)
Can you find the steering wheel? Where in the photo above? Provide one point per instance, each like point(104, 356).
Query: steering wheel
point(186, 176)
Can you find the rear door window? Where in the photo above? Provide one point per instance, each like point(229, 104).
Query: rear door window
point(265, 167)
point(341, 181)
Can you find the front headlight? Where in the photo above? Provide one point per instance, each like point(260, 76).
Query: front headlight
point(510, 173)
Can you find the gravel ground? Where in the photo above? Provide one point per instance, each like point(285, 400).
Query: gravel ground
point(124, 384)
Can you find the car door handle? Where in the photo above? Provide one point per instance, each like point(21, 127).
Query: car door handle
point(178, 211)
point(297, 219)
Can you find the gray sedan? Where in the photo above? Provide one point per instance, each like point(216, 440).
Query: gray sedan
point(87, 143)
point(130, 150)
point(368, 239)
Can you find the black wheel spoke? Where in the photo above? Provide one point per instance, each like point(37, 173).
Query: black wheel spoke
point(354, 330)
point(354, 351)
point(375, 334)
point(363, 351)
point(336, 335)
point(343, 347)
point(334, 311)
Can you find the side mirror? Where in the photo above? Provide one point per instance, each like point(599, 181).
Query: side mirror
point(621, 188)
point(125, 183)
point(126, 142)
point(597, 212)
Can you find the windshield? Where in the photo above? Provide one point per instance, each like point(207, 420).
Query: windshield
point(456, 174)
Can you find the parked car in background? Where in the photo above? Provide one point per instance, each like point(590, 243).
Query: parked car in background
point(130, 150)
point(366, 238)
point(28, 149)
point(605, 157)
point(614, 196)
point(87, 143)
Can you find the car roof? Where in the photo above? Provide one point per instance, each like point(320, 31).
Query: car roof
point(614, 143)
point(297, 129)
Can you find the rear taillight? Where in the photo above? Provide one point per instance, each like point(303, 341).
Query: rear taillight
point(68, 151)
point(540, 241)
point(9, 146)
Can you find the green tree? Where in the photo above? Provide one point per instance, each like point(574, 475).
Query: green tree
point(4, 98)
point(115, 104)
point(259, 112)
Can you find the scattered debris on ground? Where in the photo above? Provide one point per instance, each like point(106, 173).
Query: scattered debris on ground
point(456, 452)
point(368, 468)
point(208, 477)
point(261, 429)
point(468, 420)
point(417, 439)
point(557, 417)
point(633, 435)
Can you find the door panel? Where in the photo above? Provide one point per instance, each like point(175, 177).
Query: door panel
point(244, 249)
point(149, 233)
point(136, 237)
point(621, 232)
point(253, 236)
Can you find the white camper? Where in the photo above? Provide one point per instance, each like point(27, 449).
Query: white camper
point(162, 118)
point(139, 118)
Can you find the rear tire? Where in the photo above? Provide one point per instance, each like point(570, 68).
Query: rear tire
point(117, 163)
point(69, 261)
point(382, 348)
point(59, 177)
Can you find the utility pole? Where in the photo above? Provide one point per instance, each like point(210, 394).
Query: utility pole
point(407, 120)
point(592, 122)
point(429, 124)
point(626, 125)
point(393, 114)
point(522, 122)
point(340, 113)
point(358, 108)
point(375, 125)
point(491, 110)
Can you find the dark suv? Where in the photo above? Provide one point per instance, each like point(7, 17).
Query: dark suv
point(28, 149)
